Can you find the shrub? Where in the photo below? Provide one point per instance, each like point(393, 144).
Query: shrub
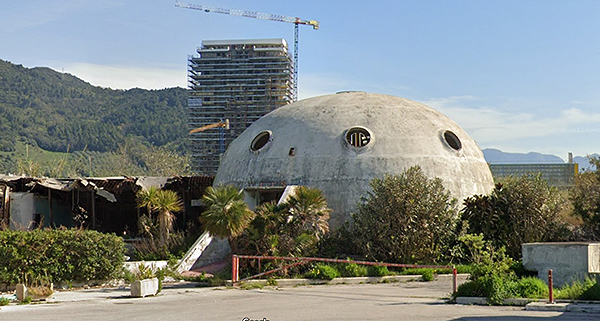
point(352, 269)
point(470, 289)
point(378, 270)
point(63, 255)
point(589, 289)
point(532, 287)
point(492, 278)
point(406, 218)
point(427, 275)
point(322, 272)
point(4, 301)
point(520, 210)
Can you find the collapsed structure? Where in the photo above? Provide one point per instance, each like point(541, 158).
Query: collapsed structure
point(106, 204)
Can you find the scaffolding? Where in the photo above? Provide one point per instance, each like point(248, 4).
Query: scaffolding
point(239, 80)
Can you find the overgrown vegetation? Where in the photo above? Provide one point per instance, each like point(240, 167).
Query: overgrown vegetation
point(585, 196)
point(519, 210)
point(588, 289)
point(61, 255)
point(406, 218)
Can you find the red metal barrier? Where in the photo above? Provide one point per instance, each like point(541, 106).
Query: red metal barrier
point(301, 260)
point(454, 280)
point(550, 287)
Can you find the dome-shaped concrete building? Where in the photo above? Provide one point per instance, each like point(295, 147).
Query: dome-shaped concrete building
point(339, 142)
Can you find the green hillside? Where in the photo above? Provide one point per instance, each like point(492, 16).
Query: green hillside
point(54, 113)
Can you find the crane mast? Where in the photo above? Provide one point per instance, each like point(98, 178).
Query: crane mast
point(265, 16)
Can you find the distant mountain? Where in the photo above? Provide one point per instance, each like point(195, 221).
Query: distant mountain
point(50, 119)
point(60, 112)
point(495, 156)
point(584, 163)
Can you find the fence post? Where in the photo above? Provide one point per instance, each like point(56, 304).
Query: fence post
point(550, 287)
point(454, 280)
point(235, 276)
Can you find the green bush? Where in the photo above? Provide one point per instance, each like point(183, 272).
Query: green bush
point(63, 255)
point(405, 218)
point(322, 272)
point(428, 275)
point(378, 270)
point(532, 287)
point(352, 270)
point(589, 289)
point(470, 289)
point(4, 301)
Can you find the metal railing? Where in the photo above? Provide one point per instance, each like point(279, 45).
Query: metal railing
point(235, 266)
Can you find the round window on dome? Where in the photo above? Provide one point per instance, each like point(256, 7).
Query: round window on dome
point(260, 141)
point(358, 137)
point(452, 140)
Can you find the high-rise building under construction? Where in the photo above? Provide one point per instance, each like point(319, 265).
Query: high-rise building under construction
point(234, 82)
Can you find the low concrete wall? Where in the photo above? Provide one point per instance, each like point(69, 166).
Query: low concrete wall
point(569, 261)
point(133, 266)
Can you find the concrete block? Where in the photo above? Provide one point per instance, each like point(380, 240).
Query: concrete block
point(569, 261)
point(143, 288)
point(21, 292)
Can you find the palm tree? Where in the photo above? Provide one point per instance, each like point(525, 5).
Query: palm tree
point(309, 211)
point(165, 203)
point(227, 215)
point(146, 198)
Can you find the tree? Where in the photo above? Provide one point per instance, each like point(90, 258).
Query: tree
point(227, 215)
point(164, 203)
point(405, 218)
point(519, 210)
point(309, 212)
point(146, 198)
point(585, 196)
point(293, 227)
point(167, 202)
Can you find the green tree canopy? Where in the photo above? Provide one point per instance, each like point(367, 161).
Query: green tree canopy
point(405, 218)
point(519, 210)
point(585, 196)
point(227, 215)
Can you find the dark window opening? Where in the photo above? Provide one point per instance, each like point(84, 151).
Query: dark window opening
point(452, 140)
point(260, 140)
point(269, 196)
point(358, 137)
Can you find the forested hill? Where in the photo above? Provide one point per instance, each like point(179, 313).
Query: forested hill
point(60, 112)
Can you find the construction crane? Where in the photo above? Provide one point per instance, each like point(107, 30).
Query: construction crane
point(265, 16)
point(222, 125)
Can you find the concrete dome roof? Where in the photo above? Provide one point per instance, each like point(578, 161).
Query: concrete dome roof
point(339, 142)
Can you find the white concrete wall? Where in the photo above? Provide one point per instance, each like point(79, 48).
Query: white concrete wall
point(569, 261)
point(22, 208)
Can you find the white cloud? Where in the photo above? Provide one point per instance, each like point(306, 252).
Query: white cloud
point(127, 77)
point(555, 131)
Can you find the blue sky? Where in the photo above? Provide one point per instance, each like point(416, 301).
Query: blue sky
point(519, 76)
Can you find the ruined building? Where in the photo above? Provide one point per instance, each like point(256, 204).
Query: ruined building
point(238, 81)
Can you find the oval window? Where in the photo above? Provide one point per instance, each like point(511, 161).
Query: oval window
point(358, 137)
point(452, 140)
point(260, 140)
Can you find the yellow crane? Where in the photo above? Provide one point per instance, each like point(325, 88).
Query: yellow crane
point(265, 16)
point(222, 125)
